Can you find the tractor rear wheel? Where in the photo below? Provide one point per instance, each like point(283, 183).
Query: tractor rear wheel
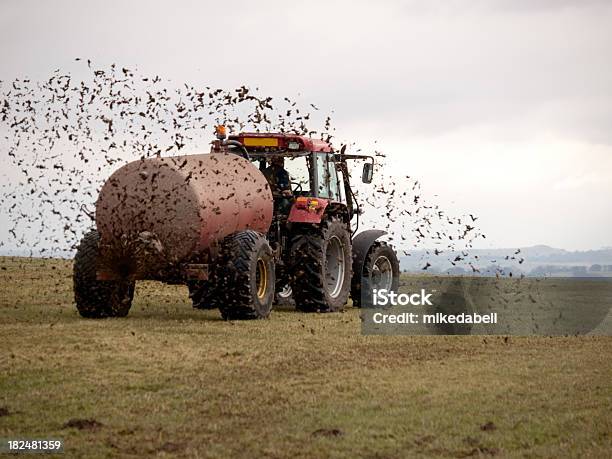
point(322, 267)
point(246, 277)
point(380, 272)
point(98, 299)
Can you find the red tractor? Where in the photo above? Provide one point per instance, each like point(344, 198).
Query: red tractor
point(261, 216)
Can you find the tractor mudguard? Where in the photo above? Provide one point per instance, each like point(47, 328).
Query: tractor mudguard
point(361, 245)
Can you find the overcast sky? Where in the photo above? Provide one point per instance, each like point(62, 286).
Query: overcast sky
point(501, 108)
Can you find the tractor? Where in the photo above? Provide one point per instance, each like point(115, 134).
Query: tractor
point(219, 224)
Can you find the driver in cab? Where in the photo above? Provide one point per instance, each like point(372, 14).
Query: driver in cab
point(280, 184)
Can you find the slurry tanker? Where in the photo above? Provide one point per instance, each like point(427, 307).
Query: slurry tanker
point(221, 224)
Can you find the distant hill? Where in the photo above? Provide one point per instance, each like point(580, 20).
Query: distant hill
point(537, 260)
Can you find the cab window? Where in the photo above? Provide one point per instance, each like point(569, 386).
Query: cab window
point(326, 177)
point(334, 190)
point(321, 176)
point(298, 170)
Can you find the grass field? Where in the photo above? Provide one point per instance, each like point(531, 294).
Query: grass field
point(170, 381)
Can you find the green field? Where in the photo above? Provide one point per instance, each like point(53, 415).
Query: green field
point(170, 381)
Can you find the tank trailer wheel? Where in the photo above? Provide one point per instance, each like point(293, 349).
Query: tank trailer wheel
point(380, 271)
point(246, 277)
point(98, 299)
point(202, 295)
point(322, 267)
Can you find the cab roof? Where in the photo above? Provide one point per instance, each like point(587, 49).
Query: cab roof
point(281, 141)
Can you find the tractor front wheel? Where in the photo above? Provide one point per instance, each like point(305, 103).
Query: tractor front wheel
point(380, 272)
point(284, 295)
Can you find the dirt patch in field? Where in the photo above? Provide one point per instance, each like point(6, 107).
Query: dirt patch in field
point(83, 424)
point(328, 433)
point(169, 447)
point(488, 427)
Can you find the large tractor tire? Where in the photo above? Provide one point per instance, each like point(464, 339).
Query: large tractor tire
point(98, 299)
point(246, 277)
point(322, 267)
point(203, 295)
point(380, 271)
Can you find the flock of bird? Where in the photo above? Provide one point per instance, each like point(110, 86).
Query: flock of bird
point(61, 138)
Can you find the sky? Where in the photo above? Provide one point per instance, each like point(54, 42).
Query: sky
point(502, 109)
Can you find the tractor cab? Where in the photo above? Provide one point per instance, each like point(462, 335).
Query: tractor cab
point(316, 175)
point(309, 162)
